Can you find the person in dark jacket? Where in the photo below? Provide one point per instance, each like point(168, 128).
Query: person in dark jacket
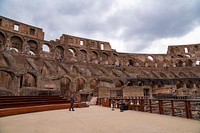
point(71, 104)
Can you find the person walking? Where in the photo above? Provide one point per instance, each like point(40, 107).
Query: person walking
point(71, 104)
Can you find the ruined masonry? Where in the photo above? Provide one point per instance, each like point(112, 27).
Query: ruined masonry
point(86, 68)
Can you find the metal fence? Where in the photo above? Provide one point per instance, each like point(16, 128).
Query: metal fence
point(187, 108)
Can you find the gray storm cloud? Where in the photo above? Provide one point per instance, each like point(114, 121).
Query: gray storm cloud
point(136, 26)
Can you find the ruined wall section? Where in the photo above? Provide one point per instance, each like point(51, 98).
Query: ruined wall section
point(30, 65)
point(21, 28)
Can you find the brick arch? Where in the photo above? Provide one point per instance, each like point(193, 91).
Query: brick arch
point(6, 79)
point(94, 84)
point(17, 42)
point(188, 63)
point(29, 80)
point(119, 83)
point(80, 83)
point(59, 51)
point(49, 47)
point(2, 40)
point(65, 83)
point(33, 46)
point(83, 55)
point(94, 57)
point(71, 54)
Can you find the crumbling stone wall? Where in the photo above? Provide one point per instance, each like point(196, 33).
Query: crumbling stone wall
point(70, 65)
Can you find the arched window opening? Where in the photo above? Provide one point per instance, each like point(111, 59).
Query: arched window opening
point(64, 85)
point(140, 83)
point(189, 84)
point(119, 83)
point(80, 84)
point(72, 52)
point(32, 46)
point(93, 84)
point(186, 50)
point(83, 55)
point(188, 63)
point(179, 84)
point(45, 48)
point(29, 80)
point(130, 62)
point(160, 84)
point(59, 52)
point(179, 63)
point(130, 83)
point(2, 40)
point(150, 58)
point(17, 43)
point(6, 80)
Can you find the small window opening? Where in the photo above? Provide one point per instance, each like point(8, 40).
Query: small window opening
point(32, 31)
point(16, 27)
point(81, 43)
point(186, 50)
point(102, 46)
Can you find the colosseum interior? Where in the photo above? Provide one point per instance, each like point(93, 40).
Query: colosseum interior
point(86, 68)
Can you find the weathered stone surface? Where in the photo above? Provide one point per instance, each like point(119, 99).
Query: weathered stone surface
point(86, 68)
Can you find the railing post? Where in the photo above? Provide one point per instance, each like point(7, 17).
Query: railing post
point(134, 103)
point(150, 105)
point(160, 103)
point(188, 109)
point(142, 104)
point(172, 107)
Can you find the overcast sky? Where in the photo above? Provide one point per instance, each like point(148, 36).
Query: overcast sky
point(133, 26)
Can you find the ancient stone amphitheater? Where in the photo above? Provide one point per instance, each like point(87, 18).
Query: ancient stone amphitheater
point(86, 68)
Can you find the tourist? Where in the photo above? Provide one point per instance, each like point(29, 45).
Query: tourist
point(71, 104)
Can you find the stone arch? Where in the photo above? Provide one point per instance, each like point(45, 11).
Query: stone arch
point(65, 85)
point(80, 84)
point(59, 52)
point(2, 40)
point(130, 62)
point(17, 43)
point(71, 54)
point(29, 80)
point(46, 47)
point(189, 84)
point(94, 57)
point(105, 56)
point(130, 83)
point(179, 84)
point(93, 84)
point(32, 46)
point(6, 80)
point(140, 83)
point(119, 83)
point(160, 84)
point(188, 62)
point(83, 55)
point(179, 63)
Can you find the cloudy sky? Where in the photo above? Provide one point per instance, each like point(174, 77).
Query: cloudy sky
point(134, 26)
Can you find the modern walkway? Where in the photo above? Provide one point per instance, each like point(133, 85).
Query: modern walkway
point(96, 119)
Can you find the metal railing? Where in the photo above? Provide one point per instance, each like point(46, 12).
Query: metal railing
point(187, 108)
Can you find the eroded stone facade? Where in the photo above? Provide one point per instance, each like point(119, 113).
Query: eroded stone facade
point(30, 65)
